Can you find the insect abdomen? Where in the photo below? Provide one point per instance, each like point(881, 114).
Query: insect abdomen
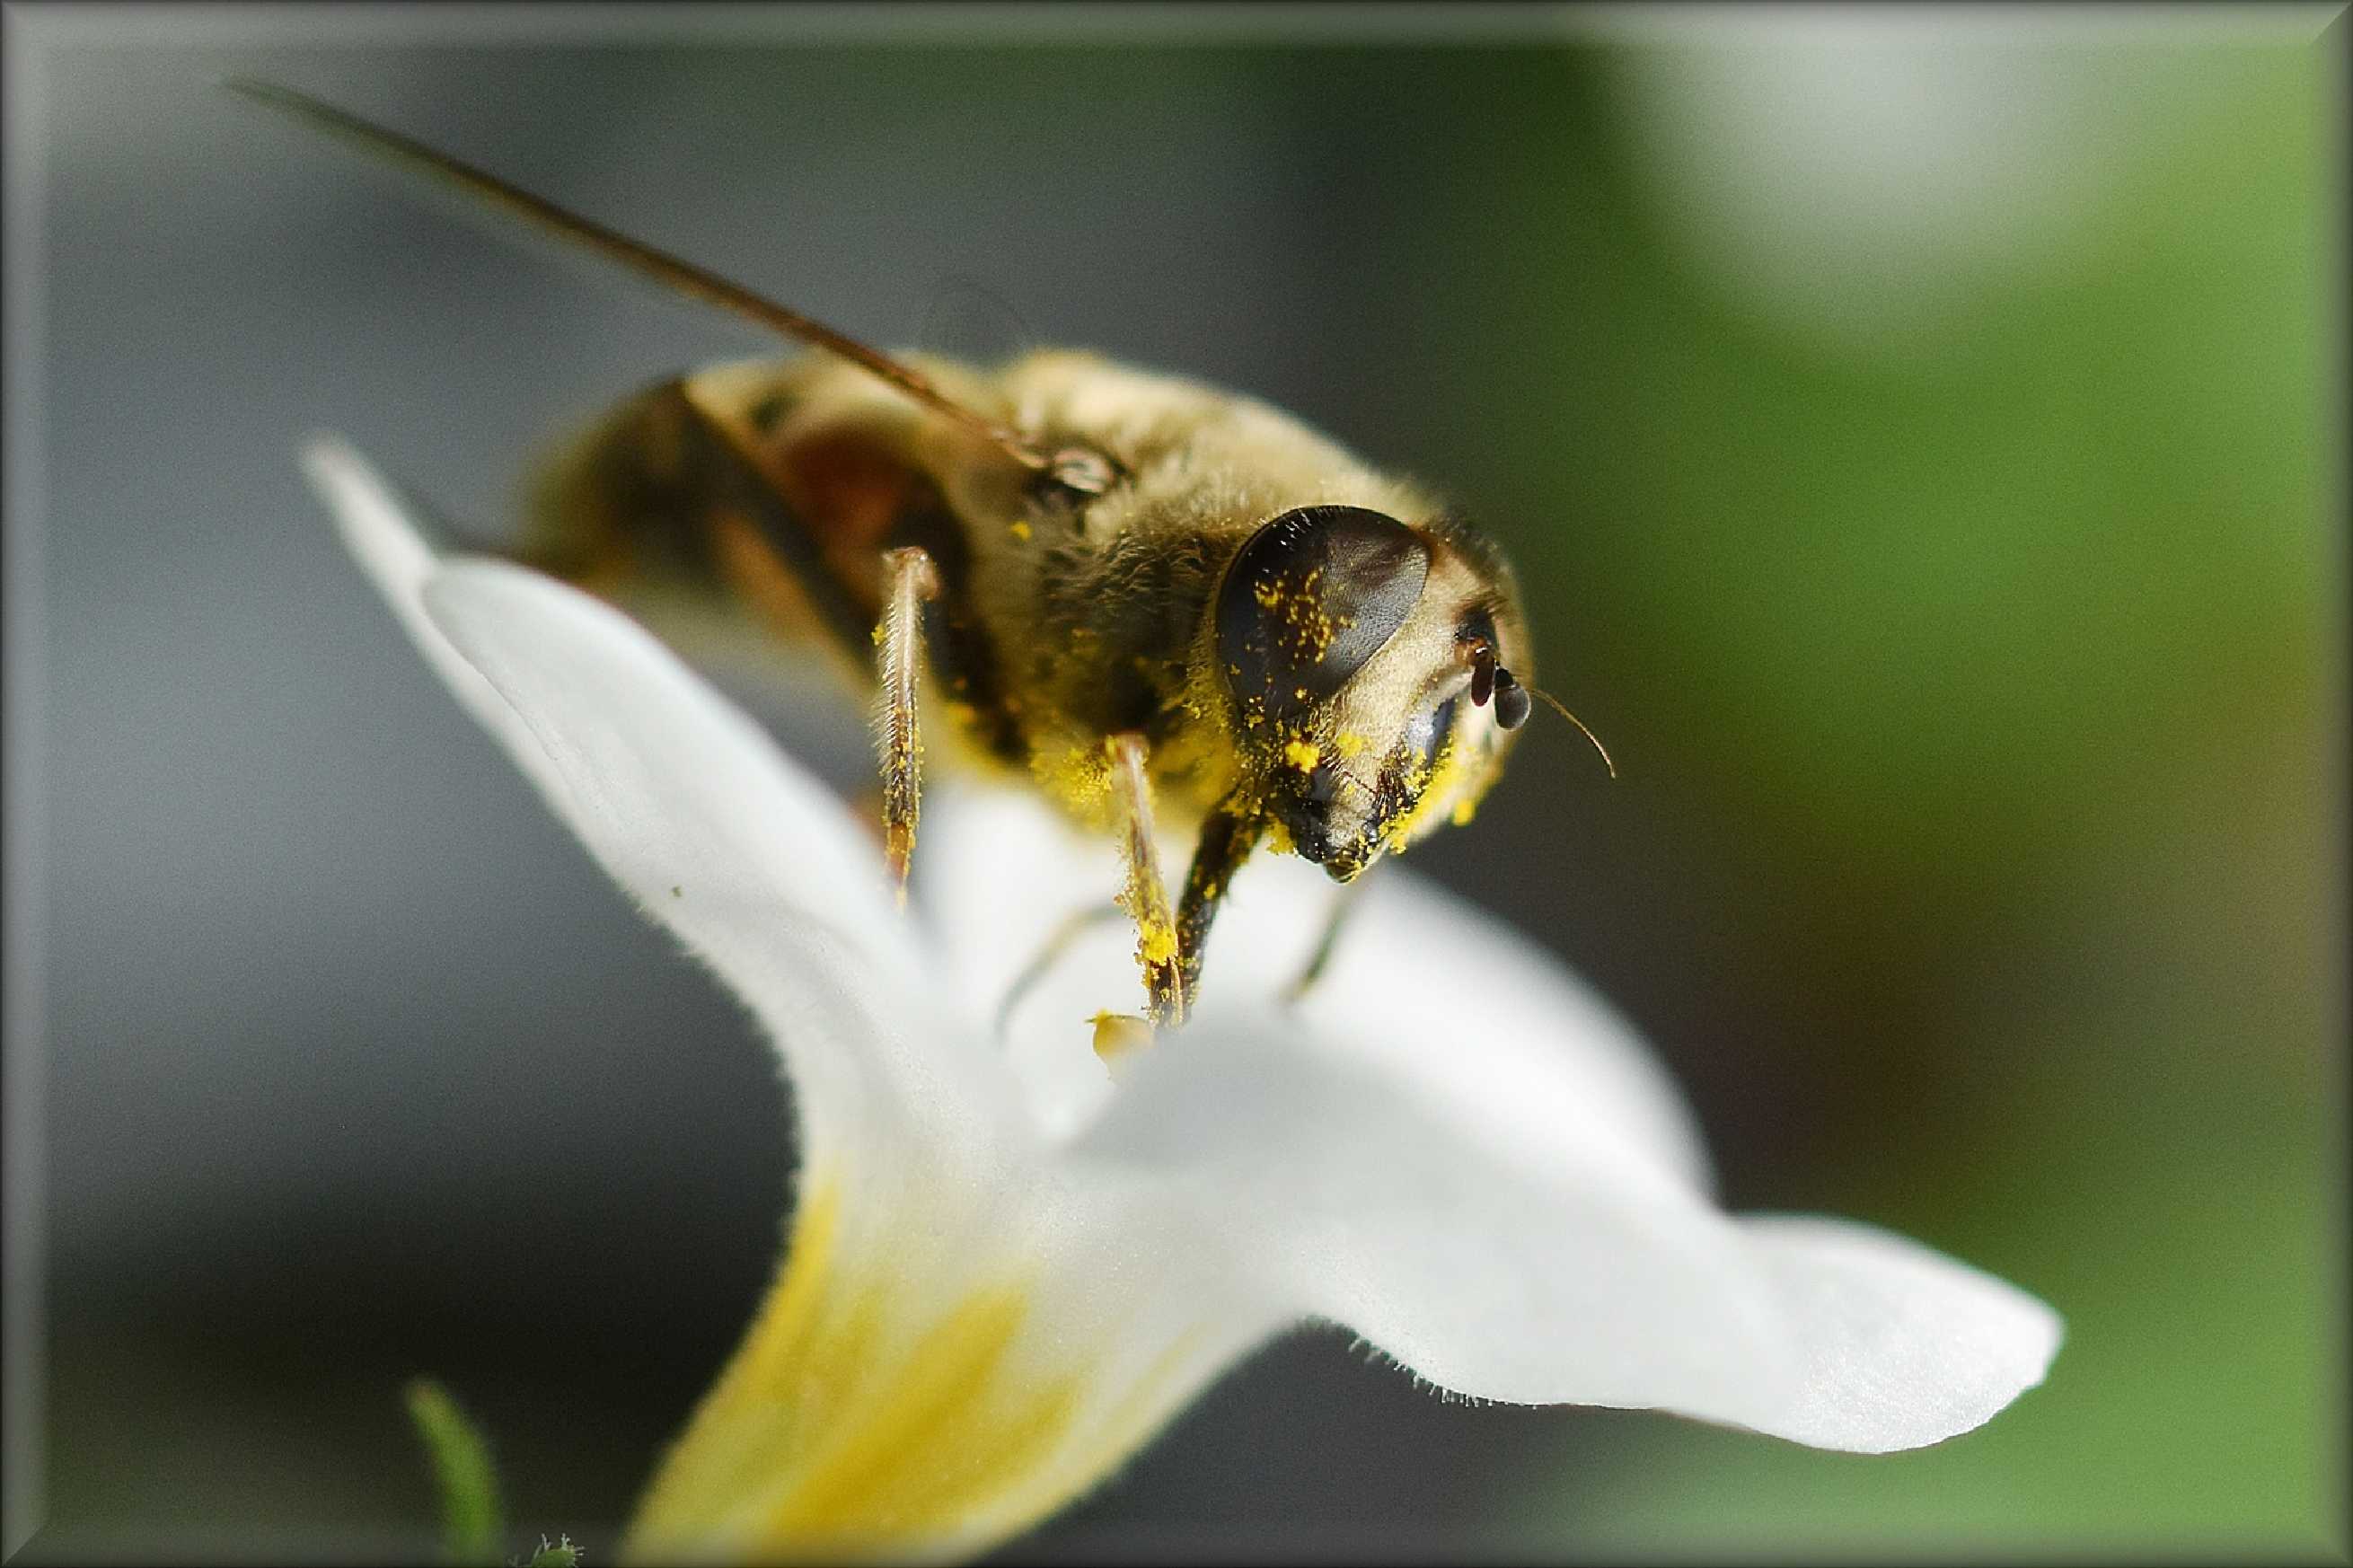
point(661, 505)
point(731, 494)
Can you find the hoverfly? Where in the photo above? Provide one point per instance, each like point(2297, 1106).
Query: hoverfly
point(1133, 591)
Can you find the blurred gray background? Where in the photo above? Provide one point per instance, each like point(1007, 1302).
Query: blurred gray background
point(1913, 444)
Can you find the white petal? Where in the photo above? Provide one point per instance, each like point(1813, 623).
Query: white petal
point(1576, 1274)
point(709, 828)
point(1463, 1008)
point(995, 875)
point(1458, 1005)
point(1588, 1276)
point(1900, 1346)
point(382, 535)
point(752, 863)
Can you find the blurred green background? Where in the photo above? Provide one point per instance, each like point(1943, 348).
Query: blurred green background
point(1919, 444)
point(1995, 650)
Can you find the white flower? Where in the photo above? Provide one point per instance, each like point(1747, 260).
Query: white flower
point(1005, 1273)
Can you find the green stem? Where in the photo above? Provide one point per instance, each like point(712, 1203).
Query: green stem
point(471, 1525)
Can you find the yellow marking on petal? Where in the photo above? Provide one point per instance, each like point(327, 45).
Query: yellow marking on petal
point(1135, 1417)
point(919, 1448)
point(1117, 1433)
point(842, 1427)
point(777, 1334)
point(772, 1385)
point(1302, 755)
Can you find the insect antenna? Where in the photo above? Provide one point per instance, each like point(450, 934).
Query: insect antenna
point(1078, 469)
point(1555, 704)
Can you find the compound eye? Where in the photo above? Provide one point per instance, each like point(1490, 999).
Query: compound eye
point(1312, 596)
point(1511, 701)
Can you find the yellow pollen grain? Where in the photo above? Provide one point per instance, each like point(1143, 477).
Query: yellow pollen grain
point(1425, 786)
point(1020, 531)
point(1156, 944)
point(1348, 743)
point(1302, 755)
point(1119, 1034)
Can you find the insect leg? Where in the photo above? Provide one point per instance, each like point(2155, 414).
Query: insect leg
point(1074, 925)
point(911, 580)
point(1348, 896)
point(1145, 897)
point(1227, 837)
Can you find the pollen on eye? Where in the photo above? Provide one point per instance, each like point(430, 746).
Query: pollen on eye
point(1302, 755)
